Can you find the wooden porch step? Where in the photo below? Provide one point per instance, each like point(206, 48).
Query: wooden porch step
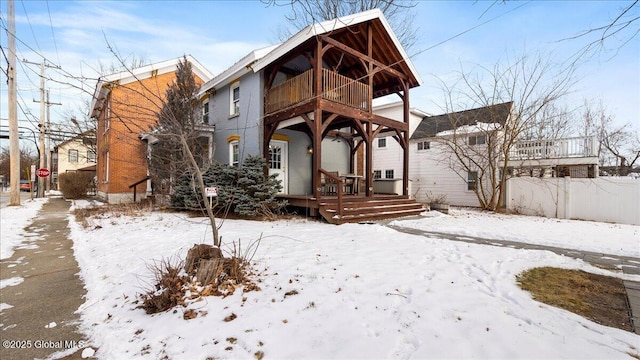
point(371, 210)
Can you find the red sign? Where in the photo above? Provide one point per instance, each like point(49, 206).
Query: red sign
point(42, 172)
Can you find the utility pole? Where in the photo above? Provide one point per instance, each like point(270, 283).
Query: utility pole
point(48, 146)
point(14, 144)
point(43, 162)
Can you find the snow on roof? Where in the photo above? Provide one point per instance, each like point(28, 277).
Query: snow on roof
point(259, 59)
point(471, 129)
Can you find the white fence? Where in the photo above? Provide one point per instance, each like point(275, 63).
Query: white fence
point(604, 199)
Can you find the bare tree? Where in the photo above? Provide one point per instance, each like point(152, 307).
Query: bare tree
point(27, 158)
point(178, 151)
point(555, 121)
point(621, 29)
point(619, 144)
point(533, 85)
point(307, 12)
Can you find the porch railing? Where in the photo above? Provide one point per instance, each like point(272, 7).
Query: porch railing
point(335, 87)
point(576, 147)
point(290, 92)
point(333, 178)
point(344, 90)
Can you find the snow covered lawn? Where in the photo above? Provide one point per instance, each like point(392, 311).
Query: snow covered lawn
point(615, 239)
point(363, 291)
point(13, 220)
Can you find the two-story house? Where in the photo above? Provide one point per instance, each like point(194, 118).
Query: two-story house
point(439, 169)
point(75, 154)
point(306, 106)
point(387, 155)
point(125, 105)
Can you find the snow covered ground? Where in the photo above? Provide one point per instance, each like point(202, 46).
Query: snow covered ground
point(13, 220)
point(616, 239)
point(363, 291)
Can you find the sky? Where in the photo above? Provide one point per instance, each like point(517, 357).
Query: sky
point(354, 291)
point(452, 35)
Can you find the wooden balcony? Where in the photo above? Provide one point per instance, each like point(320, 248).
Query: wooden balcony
point(335, 87)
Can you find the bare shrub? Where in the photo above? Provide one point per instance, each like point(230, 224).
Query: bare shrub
point(75, 185)
point(169, 288)
point(206, 273)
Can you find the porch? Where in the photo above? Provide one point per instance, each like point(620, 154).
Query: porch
point(318, 93)
point(355, 208)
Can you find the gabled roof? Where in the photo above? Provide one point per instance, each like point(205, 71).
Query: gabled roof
point(259, 59)
point(140, 73)
point(89, 134)
point(492, 114)
point(236, 70)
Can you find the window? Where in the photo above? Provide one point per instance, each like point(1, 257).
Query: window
point(472, 180)
point(73, 155)
point(205, 112)
point(234, 99)
point(234, 159)
point(377, 174)
point(388, 174)
point(91, 156)
point(107, 169)
point(382, 142)
point(107, 114)
point(275, 157)
point(477, 140)
point(424, 145)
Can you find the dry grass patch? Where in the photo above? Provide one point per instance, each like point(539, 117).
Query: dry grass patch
point(599, 298)
point(83, 215)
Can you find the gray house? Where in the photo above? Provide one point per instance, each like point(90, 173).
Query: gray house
point(306, 106)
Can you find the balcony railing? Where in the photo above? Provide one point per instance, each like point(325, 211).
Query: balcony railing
point(335, 87)
point(576, 147)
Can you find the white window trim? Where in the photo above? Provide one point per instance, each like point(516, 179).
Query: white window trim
point(77, 156)
point(378, 143)
point(107, 115)
point(205, 112)
point(91, 156)
point(386, 173)
point(233, 143)
point(106, 177)
point(233, 109)
point(473, 181)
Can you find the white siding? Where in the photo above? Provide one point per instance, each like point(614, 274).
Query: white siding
point(65, 165)
point(391, 157)
point(432, 174)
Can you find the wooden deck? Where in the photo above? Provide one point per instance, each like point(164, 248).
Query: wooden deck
point(356, 208)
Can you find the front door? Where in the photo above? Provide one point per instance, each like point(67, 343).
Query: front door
point(278, 159)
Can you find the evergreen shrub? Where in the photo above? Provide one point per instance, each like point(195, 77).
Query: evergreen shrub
point(245, 190)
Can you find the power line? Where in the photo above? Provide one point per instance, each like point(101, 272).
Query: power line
point(30, 27)
point(53, 35)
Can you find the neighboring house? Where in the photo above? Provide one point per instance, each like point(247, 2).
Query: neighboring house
point(436, 171)
point(306, 106)
point(388, 154)
point(125, 105)
point(75, 154)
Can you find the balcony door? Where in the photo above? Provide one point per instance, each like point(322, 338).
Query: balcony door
point(278, 163)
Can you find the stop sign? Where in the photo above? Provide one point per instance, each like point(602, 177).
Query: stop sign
point(42, 172)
